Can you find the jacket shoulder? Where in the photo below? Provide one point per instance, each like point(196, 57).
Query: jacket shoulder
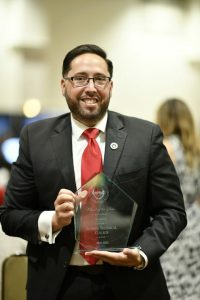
point(132, 121)
point(48, 124)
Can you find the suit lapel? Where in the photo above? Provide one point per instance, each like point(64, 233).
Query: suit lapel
point(115, 139)
point(62, 147)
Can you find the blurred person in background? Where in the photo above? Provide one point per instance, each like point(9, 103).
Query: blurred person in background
point(181, 262)
point(4, 177)
point(2, 191)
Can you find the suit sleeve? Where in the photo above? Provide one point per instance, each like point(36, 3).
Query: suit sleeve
point(165, 201)
point(19, 215)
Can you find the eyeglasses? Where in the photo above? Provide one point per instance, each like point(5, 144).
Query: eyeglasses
point(80, 81)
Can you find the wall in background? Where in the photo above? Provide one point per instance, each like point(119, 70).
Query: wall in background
point(154, 46)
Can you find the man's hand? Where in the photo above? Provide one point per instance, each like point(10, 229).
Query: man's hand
point(64, 208)
point(127, 258)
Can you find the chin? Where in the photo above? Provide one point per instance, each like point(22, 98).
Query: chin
point(90, 114)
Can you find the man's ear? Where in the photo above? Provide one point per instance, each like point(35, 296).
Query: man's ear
point(111, 87)
point(62, 83)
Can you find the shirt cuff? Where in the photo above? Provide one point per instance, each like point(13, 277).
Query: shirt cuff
point(144, 263)
point(45, 227)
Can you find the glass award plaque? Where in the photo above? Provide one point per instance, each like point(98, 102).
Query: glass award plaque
point(108, 213)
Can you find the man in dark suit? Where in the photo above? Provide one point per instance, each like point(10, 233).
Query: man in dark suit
point(39, 203)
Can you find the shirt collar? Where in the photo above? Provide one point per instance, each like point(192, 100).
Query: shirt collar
point(78, 127)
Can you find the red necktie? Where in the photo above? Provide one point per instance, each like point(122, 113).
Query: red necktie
point(91, 165)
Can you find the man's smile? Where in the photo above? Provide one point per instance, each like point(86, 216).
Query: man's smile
point(90, 101)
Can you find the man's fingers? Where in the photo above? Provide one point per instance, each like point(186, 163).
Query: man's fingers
point(65, 196)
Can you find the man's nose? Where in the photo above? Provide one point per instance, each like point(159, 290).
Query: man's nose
point(91, 84)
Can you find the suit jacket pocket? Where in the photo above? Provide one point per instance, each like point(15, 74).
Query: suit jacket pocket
point(130, 178)
point(133, 183)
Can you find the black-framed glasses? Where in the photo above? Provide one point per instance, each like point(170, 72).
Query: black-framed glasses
point(80, 81)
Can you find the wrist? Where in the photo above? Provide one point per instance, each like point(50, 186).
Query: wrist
point(143, 259)
point(55, 225)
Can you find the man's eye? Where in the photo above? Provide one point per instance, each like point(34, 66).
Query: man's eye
point(100, 79)
point(80, 78)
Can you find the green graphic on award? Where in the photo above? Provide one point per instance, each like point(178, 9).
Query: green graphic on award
point(105, 215)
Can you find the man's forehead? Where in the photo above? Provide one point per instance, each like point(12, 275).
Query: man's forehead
point(88, 61)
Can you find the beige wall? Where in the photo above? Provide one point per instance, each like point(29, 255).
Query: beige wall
point(153, 45)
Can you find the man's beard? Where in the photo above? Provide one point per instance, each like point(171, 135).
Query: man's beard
point(87, 116)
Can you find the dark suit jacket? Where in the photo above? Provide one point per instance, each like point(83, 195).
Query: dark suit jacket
point(140, 165)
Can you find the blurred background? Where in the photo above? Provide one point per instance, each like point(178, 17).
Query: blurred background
point(154, 45)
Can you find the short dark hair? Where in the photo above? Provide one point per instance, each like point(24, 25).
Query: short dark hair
point(86, 48)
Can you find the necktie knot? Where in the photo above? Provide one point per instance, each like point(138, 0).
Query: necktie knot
point(91, 133)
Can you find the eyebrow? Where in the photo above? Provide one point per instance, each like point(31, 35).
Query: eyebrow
point(86, 74)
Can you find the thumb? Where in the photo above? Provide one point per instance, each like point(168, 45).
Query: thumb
point(81, 196)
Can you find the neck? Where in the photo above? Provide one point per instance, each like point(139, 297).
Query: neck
point(87, 122)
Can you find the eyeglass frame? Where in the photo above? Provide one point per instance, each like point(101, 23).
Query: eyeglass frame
point(88, 80)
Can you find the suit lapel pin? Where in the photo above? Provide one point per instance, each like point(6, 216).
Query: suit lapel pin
point(113, 146)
